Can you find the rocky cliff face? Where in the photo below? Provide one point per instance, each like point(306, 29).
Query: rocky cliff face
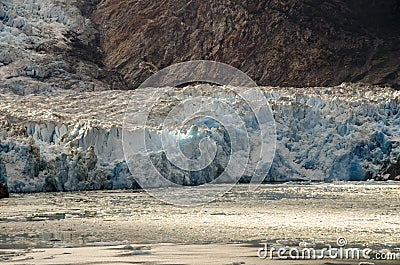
point(93, 45)
point(347, 132)
point(286, 43)
point(52, 44)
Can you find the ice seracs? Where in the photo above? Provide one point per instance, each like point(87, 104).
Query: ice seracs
point(72, 141)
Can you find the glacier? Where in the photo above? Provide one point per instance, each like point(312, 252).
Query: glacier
point(65, 140)
point(47, 45)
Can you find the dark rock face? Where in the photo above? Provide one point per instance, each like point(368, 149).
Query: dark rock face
point(392, 172)
point(52, 44)
point(285, 43)
point(3, 191)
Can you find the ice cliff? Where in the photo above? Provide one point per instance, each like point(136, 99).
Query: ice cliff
point(72, 141)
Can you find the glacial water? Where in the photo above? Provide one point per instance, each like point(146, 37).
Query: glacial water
point(365, 213)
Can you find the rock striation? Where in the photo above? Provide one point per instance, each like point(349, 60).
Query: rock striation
point(279, 43)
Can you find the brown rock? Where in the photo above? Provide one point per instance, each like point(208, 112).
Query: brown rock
point(286, 43)
point(3, 191)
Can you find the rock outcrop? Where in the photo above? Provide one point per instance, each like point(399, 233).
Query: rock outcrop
point(3, 191)
point(280, 43)
point(392, 172)
point(88, 45)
